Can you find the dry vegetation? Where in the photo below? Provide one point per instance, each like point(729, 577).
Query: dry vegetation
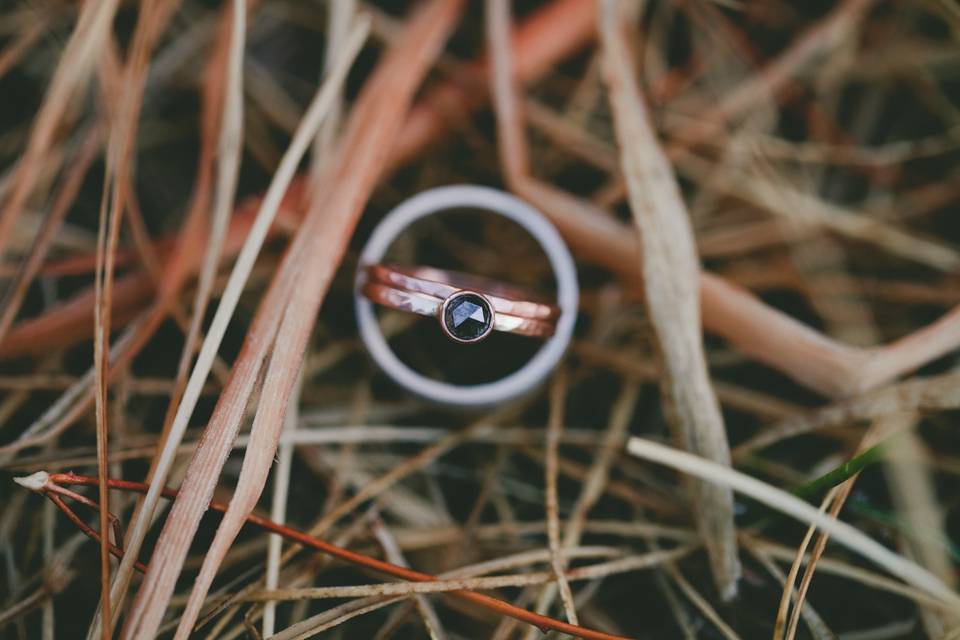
point(761, 197)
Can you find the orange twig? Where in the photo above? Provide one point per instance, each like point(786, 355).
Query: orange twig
point(86, 529)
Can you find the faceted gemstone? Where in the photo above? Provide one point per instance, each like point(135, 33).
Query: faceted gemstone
point(467, 317)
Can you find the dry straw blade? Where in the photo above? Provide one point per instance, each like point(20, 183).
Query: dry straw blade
point(670, 270)
point(229, 299)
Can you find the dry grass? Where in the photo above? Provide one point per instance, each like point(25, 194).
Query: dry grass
point(760, 197)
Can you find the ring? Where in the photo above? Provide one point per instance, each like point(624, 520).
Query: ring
point(433, 292)
point(468, 307)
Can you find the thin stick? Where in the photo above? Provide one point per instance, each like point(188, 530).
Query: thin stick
point(340, 16)
point(106, 248)
point(558, 398)
point(780, 621)
point(94, 535)
point(839, 498)
point(812, 618)
point(835, 499)
point(702, 604)
point(393, 553)
point(587, 572)
point(49, 525)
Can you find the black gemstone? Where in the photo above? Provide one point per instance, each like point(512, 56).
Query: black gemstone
point(467, 317)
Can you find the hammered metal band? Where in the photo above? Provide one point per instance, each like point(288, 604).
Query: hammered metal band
point(429, 305)
point(442, 283)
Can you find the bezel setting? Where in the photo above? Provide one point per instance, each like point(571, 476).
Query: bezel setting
point(467, 296)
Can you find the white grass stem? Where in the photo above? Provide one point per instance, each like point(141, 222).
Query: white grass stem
point(278, 506)
point(841, 532)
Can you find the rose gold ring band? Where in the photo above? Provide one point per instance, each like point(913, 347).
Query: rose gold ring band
point(442, 283)
point(403, 289)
